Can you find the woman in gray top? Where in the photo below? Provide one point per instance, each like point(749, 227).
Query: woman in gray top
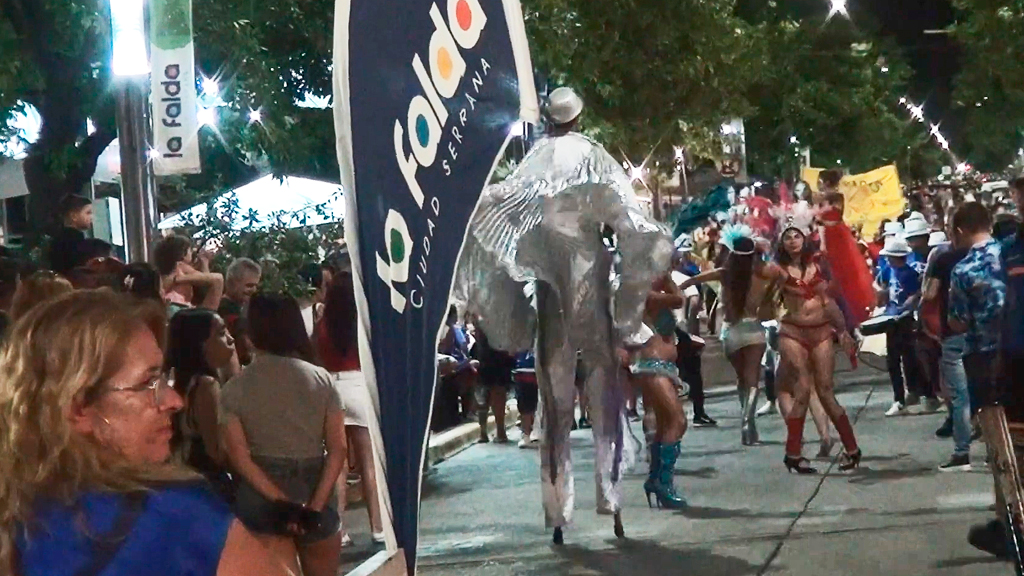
point(284, 433)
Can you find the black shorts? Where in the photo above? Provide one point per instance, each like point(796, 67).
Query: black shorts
point(526, 396)
point(298, 479)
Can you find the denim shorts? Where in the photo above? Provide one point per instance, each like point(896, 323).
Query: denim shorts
point(298, 480)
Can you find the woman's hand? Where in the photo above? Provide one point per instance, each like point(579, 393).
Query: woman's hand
point(848, 343)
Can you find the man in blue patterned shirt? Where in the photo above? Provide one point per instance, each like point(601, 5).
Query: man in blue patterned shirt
point(977, 293)
point(992, 537)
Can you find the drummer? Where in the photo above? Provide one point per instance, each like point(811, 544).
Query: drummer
point(901, 285)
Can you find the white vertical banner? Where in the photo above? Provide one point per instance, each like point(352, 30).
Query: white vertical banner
point(175, 106)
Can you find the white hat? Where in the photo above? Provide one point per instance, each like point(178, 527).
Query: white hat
point(684, 243)
point(564, 105)
point(914, 228)
point(893, 229)
point(916, 216)
point(895, 246)
point(937, 239)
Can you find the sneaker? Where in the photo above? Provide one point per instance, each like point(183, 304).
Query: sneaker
point(346, 540)
point(896, 409)
point(958, 463)
point(703, 421)
point(378, 538)
point(946, 430)
point(768, 408)
point(528, 443)
point(989, 538)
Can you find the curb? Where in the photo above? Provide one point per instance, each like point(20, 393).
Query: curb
point(444, 445)
point(721, 391)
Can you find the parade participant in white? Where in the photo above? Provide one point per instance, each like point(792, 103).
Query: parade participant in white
point(547, 223)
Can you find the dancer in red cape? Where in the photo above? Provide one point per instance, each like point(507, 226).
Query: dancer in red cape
point(846, 263)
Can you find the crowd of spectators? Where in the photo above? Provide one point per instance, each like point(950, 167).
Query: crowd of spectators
point(167, 418)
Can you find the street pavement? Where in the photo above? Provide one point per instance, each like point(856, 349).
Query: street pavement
point(897, 514)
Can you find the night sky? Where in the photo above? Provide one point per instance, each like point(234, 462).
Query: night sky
point(933, 57)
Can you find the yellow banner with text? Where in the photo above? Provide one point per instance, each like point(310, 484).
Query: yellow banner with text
point(870, 197)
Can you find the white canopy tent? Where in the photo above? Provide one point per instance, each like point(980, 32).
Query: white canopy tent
point(295, 199)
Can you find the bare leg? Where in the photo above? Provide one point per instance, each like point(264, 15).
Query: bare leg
point(321, 558)
point(823, 361)
point(670, 420)
point(360, 438)
point(821, 423)
point(283, 549)
point(796, 360)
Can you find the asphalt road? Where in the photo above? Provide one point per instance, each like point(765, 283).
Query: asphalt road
point(896, 515)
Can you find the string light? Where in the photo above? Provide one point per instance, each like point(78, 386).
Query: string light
point(917, 112)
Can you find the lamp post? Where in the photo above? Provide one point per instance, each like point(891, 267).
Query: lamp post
point(131, 71)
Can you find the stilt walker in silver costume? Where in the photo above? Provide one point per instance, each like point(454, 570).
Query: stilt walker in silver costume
point(543, 226)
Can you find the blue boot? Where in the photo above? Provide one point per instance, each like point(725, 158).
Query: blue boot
point(651, 485)
point(666, 491)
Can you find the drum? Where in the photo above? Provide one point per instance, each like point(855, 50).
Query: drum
point(877, 325)
point(524, 376)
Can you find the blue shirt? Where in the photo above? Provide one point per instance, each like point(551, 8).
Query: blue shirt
point(903, 283)
point(180, 530)
point(1013, 269)
point(977, 293)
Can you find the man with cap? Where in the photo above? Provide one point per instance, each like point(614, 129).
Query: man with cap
point(902, 286)
point(888, 230)
point(917, 232)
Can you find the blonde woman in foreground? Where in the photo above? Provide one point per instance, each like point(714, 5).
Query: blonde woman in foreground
point(85, 430)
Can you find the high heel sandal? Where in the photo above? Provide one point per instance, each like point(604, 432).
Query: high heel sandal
point(799, 464)
point(848, 462)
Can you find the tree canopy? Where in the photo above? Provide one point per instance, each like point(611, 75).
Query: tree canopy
point(988, 89)
point(654, 75)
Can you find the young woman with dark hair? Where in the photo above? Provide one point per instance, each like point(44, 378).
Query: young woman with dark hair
point(198, 348)
point(337, 345)
point(806, 331)
point(747, 280)
point(140, 279)
point(284, 432)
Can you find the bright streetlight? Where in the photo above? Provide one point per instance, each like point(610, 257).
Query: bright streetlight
point(838, 7)
point(210, 87)
point(207, 117)
point(128, 27)
point(255, 116)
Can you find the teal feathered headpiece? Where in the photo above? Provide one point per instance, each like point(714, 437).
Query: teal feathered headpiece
point(733, 232)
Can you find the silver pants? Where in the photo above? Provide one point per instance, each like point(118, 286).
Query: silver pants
point(556, 371)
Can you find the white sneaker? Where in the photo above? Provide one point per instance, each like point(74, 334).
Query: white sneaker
point(378, 537)
point(768, 408)
point(896, 409)
point(346, 540)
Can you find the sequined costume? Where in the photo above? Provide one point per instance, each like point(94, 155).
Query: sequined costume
point(543, 226)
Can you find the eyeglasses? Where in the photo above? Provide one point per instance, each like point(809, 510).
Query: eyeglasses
point(156, 385)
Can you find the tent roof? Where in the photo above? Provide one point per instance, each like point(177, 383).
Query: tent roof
point(296, 198)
